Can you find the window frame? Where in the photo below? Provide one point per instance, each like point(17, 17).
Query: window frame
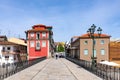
point(95, 53)
point(102, 52)
point(43, 45)
point(43, 34)
point(31, 34)
point(37, 35)
point(32, 43)
point(86, 52)
point(85, 42)
point(37, 47)
point(102, 42)
point(8, 48)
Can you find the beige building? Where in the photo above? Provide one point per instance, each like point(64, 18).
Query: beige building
point(81, 47)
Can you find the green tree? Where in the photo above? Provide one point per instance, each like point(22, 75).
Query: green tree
point(60, 48)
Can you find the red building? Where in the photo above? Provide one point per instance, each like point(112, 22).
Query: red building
point(40, 41)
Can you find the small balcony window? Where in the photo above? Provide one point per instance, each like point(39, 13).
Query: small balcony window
point(37, 35)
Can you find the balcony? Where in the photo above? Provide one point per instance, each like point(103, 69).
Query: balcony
point(8, 52)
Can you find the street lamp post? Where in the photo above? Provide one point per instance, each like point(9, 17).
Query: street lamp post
point(91, 34)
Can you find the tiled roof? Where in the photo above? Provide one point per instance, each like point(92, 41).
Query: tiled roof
point(35, 30)
point(95, 34)
point(39, 27)
point(75, 36)
point(17, 41)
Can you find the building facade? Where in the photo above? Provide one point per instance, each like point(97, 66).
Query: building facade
point(81, 47)
point(114, 51)
point(40, 41)
point(10, 52)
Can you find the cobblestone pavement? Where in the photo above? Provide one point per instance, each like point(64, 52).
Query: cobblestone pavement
point(54, 69)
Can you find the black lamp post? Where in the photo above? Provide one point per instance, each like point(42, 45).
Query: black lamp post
point(91, 34)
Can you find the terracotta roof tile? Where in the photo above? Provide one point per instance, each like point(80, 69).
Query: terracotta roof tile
point(39, 27)
point(102, 35)
point(35, 30)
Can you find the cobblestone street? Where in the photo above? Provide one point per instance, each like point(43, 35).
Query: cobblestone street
point(54, 69)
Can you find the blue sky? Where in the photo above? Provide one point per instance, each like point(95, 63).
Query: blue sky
point(68, 17)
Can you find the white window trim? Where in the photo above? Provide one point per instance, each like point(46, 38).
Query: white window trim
point(32, 44)
point(43, 43)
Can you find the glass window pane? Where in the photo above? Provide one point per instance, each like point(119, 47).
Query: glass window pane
point(102, 42)
point(95, 54)
point(43, 43)
point(31, 43)
point(102, 52)
point(86, 52)
point(43, 34)
point(37, 45)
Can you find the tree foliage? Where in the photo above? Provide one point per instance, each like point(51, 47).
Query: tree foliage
point(60, 48)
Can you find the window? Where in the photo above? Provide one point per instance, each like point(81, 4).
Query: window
point(94, 42)
point(37, 35)
point(3, 49)
point(31, 34)
point(102, 52)
point(8, 48)
point(102, 42)
point(86, 42)
point(85, 51)
point(38, 45)
point(43, 34)
point(31, 43)
point(6, 57)
point(43, 43)
point(95, 54)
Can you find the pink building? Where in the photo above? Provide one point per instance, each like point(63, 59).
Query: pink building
point(40, 41)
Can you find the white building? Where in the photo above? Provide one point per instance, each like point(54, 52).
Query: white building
point(10, 51)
